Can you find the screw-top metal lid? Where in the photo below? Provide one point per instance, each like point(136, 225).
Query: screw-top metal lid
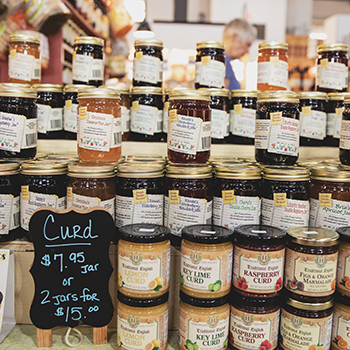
point(43, 167)
point(273, 45)
point(313, 236)
point(187, 94)
point(214, 161)
point(92, 40)
point(149, 90)
point(29, 38)
point(144, 233)
point(330, 173)
point(310, 306)
point(76, 87)
point(260, 234)
point(99, 93)
point(237, 171)
point(48, 87)
point(332, 47)
point(148, 42)
point(65, 157)
point(121, 88)
point(8, 167)
point(245, 93)
point(17, 90)
point(338, 96)
point(91, 169)
point(210, 44)
point(207, 234)
point(217, 92)
point(189, 171)
point(271, 96)
point(312, 95)
point(140, 170)
point(286, 173)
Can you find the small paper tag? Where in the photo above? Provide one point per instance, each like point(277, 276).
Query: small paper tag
point(228, 197)
point(238, 109)
point(74, 55)
point(205, 60)
point(13, 53)
point(324, 62)
point(83, 113)
point(140, 196)
point(70, 194)
point(139, 56)
point(274, 60)
point(174, 197)
point(25, 192)
point(339, 112)
point(173, 116)
point(166, 106)
point(280, 199)
point(135, 105)
point(68, 104)
point(4, 255)
point(306, 110)
point(276, 118)
point(325, 199)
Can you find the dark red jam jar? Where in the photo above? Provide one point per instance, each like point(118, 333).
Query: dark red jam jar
point(344, 142)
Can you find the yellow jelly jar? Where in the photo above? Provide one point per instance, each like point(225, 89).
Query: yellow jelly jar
point(341, 323)
point(203, 323)
point(343, 266)
point(206, 261)
point(142, 324)
point(143, 260)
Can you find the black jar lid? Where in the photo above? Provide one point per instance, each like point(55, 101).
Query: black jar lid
point(198, 302)
point(144, 233)
point(262, 234)
point(207, 234)
point(149, 302)
point(237, 298)
point(344, 233)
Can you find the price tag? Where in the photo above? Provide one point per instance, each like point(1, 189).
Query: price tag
point(139, 56)
point(276, 118)
point(280, 199)
point(306, 110)
point(238, 109)
point(70, 194)
point(173, 116)
point(324, 63)
point(339, 112)
point(174, 197)
point(25, 192)
point(325, 199)
point(228, 197)
point(166, 106)
point(135, 105)
point(83, 113)
point(140, 196)
point(68, 104)
point(205, 60)
point(274, 60)
point(13, 53)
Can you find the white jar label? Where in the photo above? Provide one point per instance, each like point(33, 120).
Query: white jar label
point(30, 134)
point(330, 123)
point(334, 75)
point(116, 133)
point(125, 119)
point(337, 125)
point(36, 74)
point(273, 74)
point(49, 119)
point(96, 70)
point(11, 131)
point(210, 72)
point(81, 67)
point(21, 66)
point(262, 128)
point(9, 213)
point(344, 141)
point(313, 126)
point(219, 124)
point(70, 117)
point(148, 69)
point(144, 119)
point(165, 117)
point(243, 124)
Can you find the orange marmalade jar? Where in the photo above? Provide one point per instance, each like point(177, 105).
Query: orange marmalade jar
point(272, 66)
point(99, 125)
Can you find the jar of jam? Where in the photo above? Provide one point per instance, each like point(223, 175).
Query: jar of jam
point(43, 184)
point(148, 63)
point(203, 322)
point(18, 121)
point(329, 197)
point(313, 118)
point(142, 323)
point(165, 110)
point(143, 260)
point(236, 190)
point(206, 261)
point(99, 125)
point(139, 193)
point(146, 122)
point(188, 197)
point(341, 322)
point(311, 262)
point(50, 103)
point(210, 65)
point(277, 128)
point(343, 275)
point(242, 117)
point(332, 67)
point(254, 322)
point(91, 184)
point(258, 260)
point(273, 66)
point(285, 193)
point(10, 188)
point(220, 121)
point(24, 59)
point(88, 68)
point(189, 129)
point(305, 325)
point(344, 141)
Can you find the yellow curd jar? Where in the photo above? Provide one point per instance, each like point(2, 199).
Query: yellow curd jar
point(343, 265)
point(341, 323)
point(142, 324)
point(203, 323)
point(206, 261)
point(143, 260)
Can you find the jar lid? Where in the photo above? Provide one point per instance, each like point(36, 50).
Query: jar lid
point(272, 96)
point(214, 161)
point(8, 167)
point(330, 173)
point(273, 45)
point(76, 87)
point(144, 233)
point(207, 234)
point(333, 162)
point(344, 233)
point(207, 303)
point(210, 44)
point(17, 90)
point(29, 38)
point(145, 158)
point(99, 93)
point(68, 157)
point(309, 306)
point(245, 93)
point(189, 94)
point(189, 171)
point(140, 169)
point(332, 47)
point(338, 96)
point(312, 95)
point(148, 42)
point(122, 89)
point(237, 171)
point(43, 167)
point(313, 236)
point(308, 163)
point(217, 92)
point(264, 234)
point(92, 40)
point(48, 87)
point(239, 299)
point(91, 169)
point(144, 303)
point(286, 173)
point(149, 90)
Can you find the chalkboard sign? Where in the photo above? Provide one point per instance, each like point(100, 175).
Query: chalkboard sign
point(71, 267)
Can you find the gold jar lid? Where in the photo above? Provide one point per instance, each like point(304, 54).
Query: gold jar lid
point(65, 157)
point(17, 90)
point(148, 42)
point(150, 90)
point(92, 40)
point(273, 45)
point(189, 171)
point(308, 163)
point(278, 95)
point(144, 158)
point(120, 88)
point(331, 161)
point(339, 96)
point(332, 47)
point(217, 92)
point(210, 44)
point(312, 95)
point(286, 173)
point(48, 87)
point(43, 167)
point(139, 170)
point(189, 94)
point(91, 169)
point(214, 161)
point(9, 168)
point(76, 87)
point(237, 171)
point(310, 306)
point(334, 173)
point(245, 93)
point(99, 93)
point(313, 236)
point(29, 38)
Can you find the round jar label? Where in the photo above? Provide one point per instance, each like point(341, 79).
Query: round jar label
point(274, 72)
point(242, 121)
point(341, 328)
point(343, 269)
point(147, 68)
point(332, 75)
point(210, 72)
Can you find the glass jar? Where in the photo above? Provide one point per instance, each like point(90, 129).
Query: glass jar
point(236, 190)
point(148, 63)
point(258, 260)
point(24, 59)
point(143, 260)
point(242, 117)
point(277, 128)
point(254, 322)
point(311, 262)
point(206, 261)
point(285, 193)
point(203, 322)
point(43, 184)
point(273, 66)
point(210, 65)
point(343, 275)
point(88, 67)
point(189, 129)
point(330, 197)
point(188, 197)
point(99, 125)
point(341, 322)
point(125, 105)
point(139, 193)
point(344, 141)
point(10, 188)
point(166, 110)
point(332, 67)
point(91, 184)
point(142, 323)
point(313, 118)
point(146, 114)
point(18, 121)
point(50, 103)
